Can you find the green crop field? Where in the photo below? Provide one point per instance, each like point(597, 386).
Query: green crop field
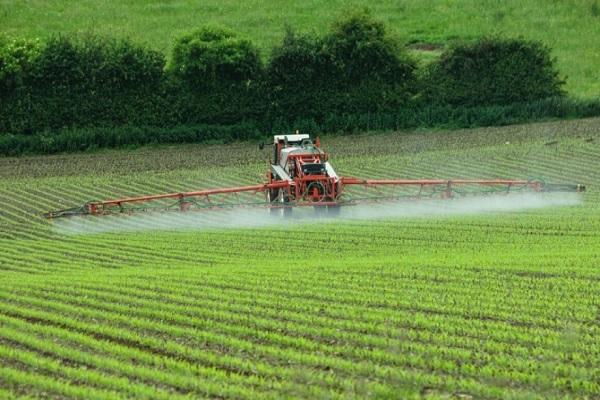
point(571, 27)
point(481, 305)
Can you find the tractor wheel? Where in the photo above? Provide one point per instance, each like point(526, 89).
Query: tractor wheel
point(331, 210)
point(273, 197)
point(284, 201)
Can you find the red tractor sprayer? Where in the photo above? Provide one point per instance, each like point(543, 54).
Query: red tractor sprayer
point(300, 175)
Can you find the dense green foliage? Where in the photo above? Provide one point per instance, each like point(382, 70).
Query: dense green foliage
point(492, 72)
point(214, 77)
point(569, 27)
point(90, 81)
point(357, 73)
point(487, 306)
point(17, 57)
point(212, 57)
point(80, 139)
point(73, 140)
point(356, 68)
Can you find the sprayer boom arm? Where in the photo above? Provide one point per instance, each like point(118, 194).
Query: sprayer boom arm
point(183, 195)
point(301, 175)
point(430, 182)
point(185, 199)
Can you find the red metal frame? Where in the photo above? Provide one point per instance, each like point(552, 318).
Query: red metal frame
point(298, 191)
point(302, 190)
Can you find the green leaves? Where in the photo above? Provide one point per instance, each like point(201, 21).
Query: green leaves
point(17, 57)
point(361, 49)
point(355, 77)
point(354, 68)
point(492, 71)
point(212, 56)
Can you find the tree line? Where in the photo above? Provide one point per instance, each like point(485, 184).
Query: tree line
point(73, 92)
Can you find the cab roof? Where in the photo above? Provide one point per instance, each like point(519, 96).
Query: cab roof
point(291, 138)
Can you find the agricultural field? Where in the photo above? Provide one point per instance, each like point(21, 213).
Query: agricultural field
point(571, 27)
point(480, 305)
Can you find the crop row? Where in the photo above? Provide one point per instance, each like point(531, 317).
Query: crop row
point(230, 326)
point(483, 305)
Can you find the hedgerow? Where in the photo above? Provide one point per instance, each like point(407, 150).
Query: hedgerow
point(214, 77)
point(355, 68)
point(492, 71)
point(81, 82)
point(73, 93)
point(17, 57)
point(80, 139)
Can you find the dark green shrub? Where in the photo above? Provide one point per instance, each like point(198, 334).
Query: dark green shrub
point(361, 50)
point(215, 77)
point(300, 78)
point(95, 64)
point(300, 60)
point(492, 72)
point(16, 59)
point(81, 139)
point(213, 56)
point(89, 81)
point(93, 92)
point(355, 68)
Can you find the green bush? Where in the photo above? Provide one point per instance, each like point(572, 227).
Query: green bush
point(300, 60)
point(81, 139)
point(87, 92)
point(16, 59)
point(213, 56)
point(492, 72)
point(96, 63)
point(354, 68)
point(361, 50)
point(214, 78)
point(300, 79)
point(90, 81)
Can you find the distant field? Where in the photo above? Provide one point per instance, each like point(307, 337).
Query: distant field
point(502, 305)
point(570, 27)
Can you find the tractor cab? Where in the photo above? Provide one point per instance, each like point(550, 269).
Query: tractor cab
point(298, 155)
point(299, 161)
point(284, 145)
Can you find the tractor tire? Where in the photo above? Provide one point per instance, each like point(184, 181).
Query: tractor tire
point(274, 211)
point(273, 197)
point(284, 202)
